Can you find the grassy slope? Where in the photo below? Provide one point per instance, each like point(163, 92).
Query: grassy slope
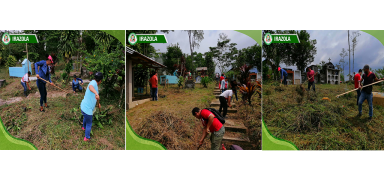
point(49, 130)
point(318, 124)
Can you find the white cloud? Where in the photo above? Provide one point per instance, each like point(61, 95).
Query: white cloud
point(210, 40)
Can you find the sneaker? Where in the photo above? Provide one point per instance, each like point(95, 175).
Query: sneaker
point(86, 139)
point(83, 128)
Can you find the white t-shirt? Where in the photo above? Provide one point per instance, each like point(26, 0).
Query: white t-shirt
point(227, 94)
point(25, 78)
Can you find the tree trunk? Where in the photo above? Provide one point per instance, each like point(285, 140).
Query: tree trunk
point(349, 56)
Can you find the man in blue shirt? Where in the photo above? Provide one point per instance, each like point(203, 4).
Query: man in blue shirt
point(284, 76)
point(88, 104)
point(42, 71)
point(76, 84)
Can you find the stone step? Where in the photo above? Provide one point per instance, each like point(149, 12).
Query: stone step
point(234, 126)
point(235, 138)
point(216, 102)
point(229, 110)
point(216, 87)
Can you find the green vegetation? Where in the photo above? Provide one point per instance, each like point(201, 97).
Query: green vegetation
point(312, 123)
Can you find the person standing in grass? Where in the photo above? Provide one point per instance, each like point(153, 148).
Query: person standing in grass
point(211, 125)
point(89, 103)
point(225, 101)
point(357, 79)
point(311, 79)
point(25, 82)
point(366, 93)
point(76, 84)
point(42, 68)
point(284, 75)
point(154, 81)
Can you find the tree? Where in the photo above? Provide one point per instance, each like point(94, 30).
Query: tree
point(68, 46)
point(224, 53)
point(354, 44)
point(209, 63)
point(303, 53)
point(195, 37)
point(342, 61)
point(171, 57)
point(349, 62)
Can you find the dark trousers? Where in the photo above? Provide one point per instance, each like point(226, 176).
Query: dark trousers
point(235, 92)
point(358, 95)
point(154, 94)
point(223, 105)
point(285, 80)
point(43, 91)
point(25, 88)
point(311, 84)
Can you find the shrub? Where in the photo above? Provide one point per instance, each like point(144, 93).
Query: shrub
point(180, 82)
point(205, 81)
point(11, 61)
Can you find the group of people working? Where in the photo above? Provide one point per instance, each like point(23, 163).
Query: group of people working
point(87, 105)
point(360, 80)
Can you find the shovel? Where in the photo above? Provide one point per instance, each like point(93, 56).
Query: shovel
point(359, 88)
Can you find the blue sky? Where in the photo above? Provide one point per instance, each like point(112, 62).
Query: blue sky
point(210, 40)
point(369, 50)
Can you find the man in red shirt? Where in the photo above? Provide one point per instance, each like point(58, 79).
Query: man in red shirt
point(357, 79)
point(154, 81)
point(366, 93)
point(211, 125)
point(311, 79)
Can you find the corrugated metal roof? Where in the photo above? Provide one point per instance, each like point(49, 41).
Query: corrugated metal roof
point(146, 58)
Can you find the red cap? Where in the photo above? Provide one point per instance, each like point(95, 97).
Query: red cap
point(278, 69)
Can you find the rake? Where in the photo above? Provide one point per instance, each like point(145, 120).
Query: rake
point(54, 85)
point(301, 85)
point(359, 88)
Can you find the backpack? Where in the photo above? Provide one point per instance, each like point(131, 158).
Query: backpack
point(217, 114)
point(235, 147)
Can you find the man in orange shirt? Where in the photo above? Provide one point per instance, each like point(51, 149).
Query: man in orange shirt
point(357, 79)
point(154, 81)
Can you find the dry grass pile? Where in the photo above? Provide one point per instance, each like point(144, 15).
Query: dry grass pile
point(171, 131)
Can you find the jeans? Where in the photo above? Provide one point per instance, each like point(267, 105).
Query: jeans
point(311, 84)
point(78, 87)
point(216, 138)
point(358, 95)
point(154, 94)
point(365, 96)
point(43, 91)
point(25, 87)
point(223, 105)
point(87, 124)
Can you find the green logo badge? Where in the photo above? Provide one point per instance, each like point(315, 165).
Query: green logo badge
point(268, 38)
point(132, 39)
point(6, 38)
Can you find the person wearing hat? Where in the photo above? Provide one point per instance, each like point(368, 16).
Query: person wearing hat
point(88, 104)
point(366, 93)
point(284, 75)
point(25, 82)
point(76, 84)
point(42, 68)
